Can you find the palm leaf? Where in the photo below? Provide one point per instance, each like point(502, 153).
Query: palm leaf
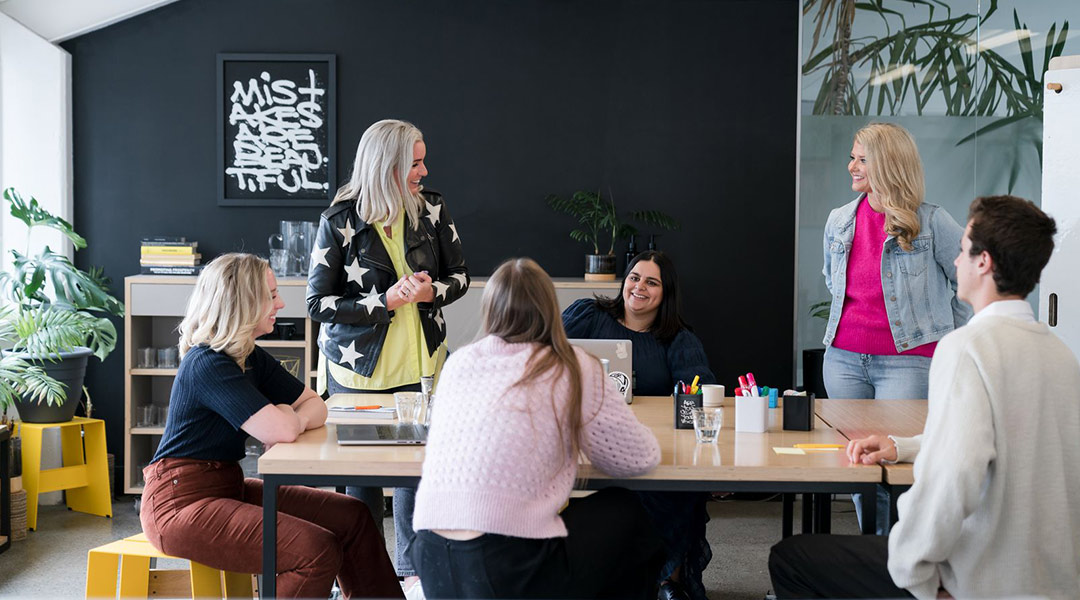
point(655, 218)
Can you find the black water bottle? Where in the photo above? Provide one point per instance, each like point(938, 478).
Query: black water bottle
point(631, 250)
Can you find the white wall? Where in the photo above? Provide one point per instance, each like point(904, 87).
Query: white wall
point(35, 151)
point(1061, 179)
point(35, 131)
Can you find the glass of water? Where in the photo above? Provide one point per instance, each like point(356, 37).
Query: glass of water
point(707, 424)
point(408, 407)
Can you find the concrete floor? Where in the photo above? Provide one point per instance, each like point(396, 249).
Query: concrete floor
point(51, 562)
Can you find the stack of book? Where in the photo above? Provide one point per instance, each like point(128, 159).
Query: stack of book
point(164, 255)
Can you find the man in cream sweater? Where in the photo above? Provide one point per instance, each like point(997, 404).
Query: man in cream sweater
point(995, 509)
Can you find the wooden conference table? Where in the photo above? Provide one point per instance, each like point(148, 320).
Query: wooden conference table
point(738, 462)
point(856, 419)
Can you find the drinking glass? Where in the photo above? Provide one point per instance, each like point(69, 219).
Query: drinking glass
point(168, 358)
point(707, 424)
point(147, 358)
point(408, 407)
point(147, 416)
point(279, 261)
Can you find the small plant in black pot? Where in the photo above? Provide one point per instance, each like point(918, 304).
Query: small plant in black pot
point(601, 226)
point(50, 322)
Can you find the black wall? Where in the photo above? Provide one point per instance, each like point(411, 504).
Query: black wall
point(684, 106)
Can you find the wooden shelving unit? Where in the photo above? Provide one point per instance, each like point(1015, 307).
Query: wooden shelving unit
point(155, 306)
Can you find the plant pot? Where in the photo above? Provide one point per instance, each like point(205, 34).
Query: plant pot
point(69, 369)
point(599, 267)
point(813, 360)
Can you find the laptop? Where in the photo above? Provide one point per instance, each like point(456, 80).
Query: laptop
point(620, 357)
point(380, 435)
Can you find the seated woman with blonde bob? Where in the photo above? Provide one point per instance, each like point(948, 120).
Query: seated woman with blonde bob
point(197, 503)
point(515, 411)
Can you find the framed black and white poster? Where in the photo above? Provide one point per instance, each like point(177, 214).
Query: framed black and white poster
point(276, 126)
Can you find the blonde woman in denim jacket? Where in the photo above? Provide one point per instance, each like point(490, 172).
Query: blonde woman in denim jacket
point(889, 268)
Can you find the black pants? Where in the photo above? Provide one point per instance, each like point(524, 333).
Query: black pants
point(833, 566)
point(611, 551)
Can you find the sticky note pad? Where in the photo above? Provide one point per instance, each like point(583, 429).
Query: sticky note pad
point(798, 451)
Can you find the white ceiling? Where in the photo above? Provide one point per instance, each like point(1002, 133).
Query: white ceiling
point(58, 20)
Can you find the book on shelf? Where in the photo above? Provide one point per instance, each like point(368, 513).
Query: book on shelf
point(171, 270)
point(350, 412)
point(186, 260)
point(164, 239)
point(156, 250)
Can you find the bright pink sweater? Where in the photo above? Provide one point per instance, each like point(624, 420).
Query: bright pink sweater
point(864, 323)
point(495, 461)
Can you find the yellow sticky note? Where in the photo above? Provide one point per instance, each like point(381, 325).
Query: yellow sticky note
point(798, 451)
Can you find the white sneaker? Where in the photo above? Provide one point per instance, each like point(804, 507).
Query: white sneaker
point(416, 592)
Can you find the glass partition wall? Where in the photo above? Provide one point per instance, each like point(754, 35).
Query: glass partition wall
point(965, 77)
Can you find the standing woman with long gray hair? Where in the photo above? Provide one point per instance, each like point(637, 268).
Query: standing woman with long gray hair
point(387, 258)
point(889, 267)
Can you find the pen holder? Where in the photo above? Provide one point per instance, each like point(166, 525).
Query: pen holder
point(799, 412)
point(751, 414)
point(684, 410)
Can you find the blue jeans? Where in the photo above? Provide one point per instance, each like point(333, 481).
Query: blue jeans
point(404, 498)
point(861, 376)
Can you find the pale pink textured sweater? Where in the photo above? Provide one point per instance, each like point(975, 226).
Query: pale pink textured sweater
point(495, 461)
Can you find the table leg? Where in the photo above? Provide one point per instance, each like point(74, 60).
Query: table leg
point(823, 513)
point(869, 509)
point(269, 549)
point(808, 513)
point(894, 496)
point(789, 515)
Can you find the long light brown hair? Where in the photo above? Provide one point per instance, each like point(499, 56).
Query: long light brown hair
point(520, 306)
point(379, 179)
point(230, 299)
point(895, 174)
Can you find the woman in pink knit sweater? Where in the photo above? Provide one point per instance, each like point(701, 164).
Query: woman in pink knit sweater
point(516, 410)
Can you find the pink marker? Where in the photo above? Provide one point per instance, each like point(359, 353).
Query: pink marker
point(750, 378)
point(742, 382)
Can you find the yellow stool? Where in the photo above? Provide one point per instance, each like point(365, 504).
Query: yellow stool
point(85, 475)
point(132, 556)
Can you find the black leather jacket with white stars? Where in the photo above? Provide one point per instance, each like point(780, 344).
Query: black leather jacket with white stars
point(351, 272)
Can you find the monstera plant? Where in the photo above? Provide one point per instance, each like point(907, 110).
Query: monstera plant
point(51, 321)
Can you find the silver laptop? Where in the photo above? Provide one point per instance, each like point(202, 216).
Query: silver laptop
point(620, 357)
point(380, 435)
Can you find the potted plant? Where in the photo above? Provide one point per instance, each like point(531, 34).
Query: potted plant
point(600, 222)
point(50, 322)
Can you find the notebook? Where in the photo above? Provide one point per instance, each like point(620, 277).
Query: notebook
point(620, 357)
point(351, 412)
point(380, 435)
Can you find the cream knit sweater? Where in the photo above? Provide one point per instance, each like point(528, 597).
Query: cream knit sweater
point(995, 509)
point(495, 461)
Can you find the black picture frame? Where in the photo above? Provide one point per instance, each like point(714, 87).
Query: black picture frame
point(276, 129)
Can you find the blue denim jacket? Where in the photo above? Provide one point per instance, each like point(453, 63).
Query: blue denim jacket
point(919, 286)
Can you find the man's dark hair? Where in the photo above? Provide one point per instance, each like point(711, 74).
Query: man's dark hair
point(1018, 236)
point(668, 321)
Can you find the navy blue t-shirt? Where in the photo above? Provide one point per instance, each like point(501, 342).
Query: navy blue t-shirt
point(657, 366)
point(212, 397)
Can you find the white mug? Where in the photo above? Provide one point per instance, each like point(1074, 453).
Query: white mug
point(712, 395)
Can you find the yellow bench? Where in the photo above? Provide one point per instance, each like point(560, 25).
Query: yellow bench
point(132, 557)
